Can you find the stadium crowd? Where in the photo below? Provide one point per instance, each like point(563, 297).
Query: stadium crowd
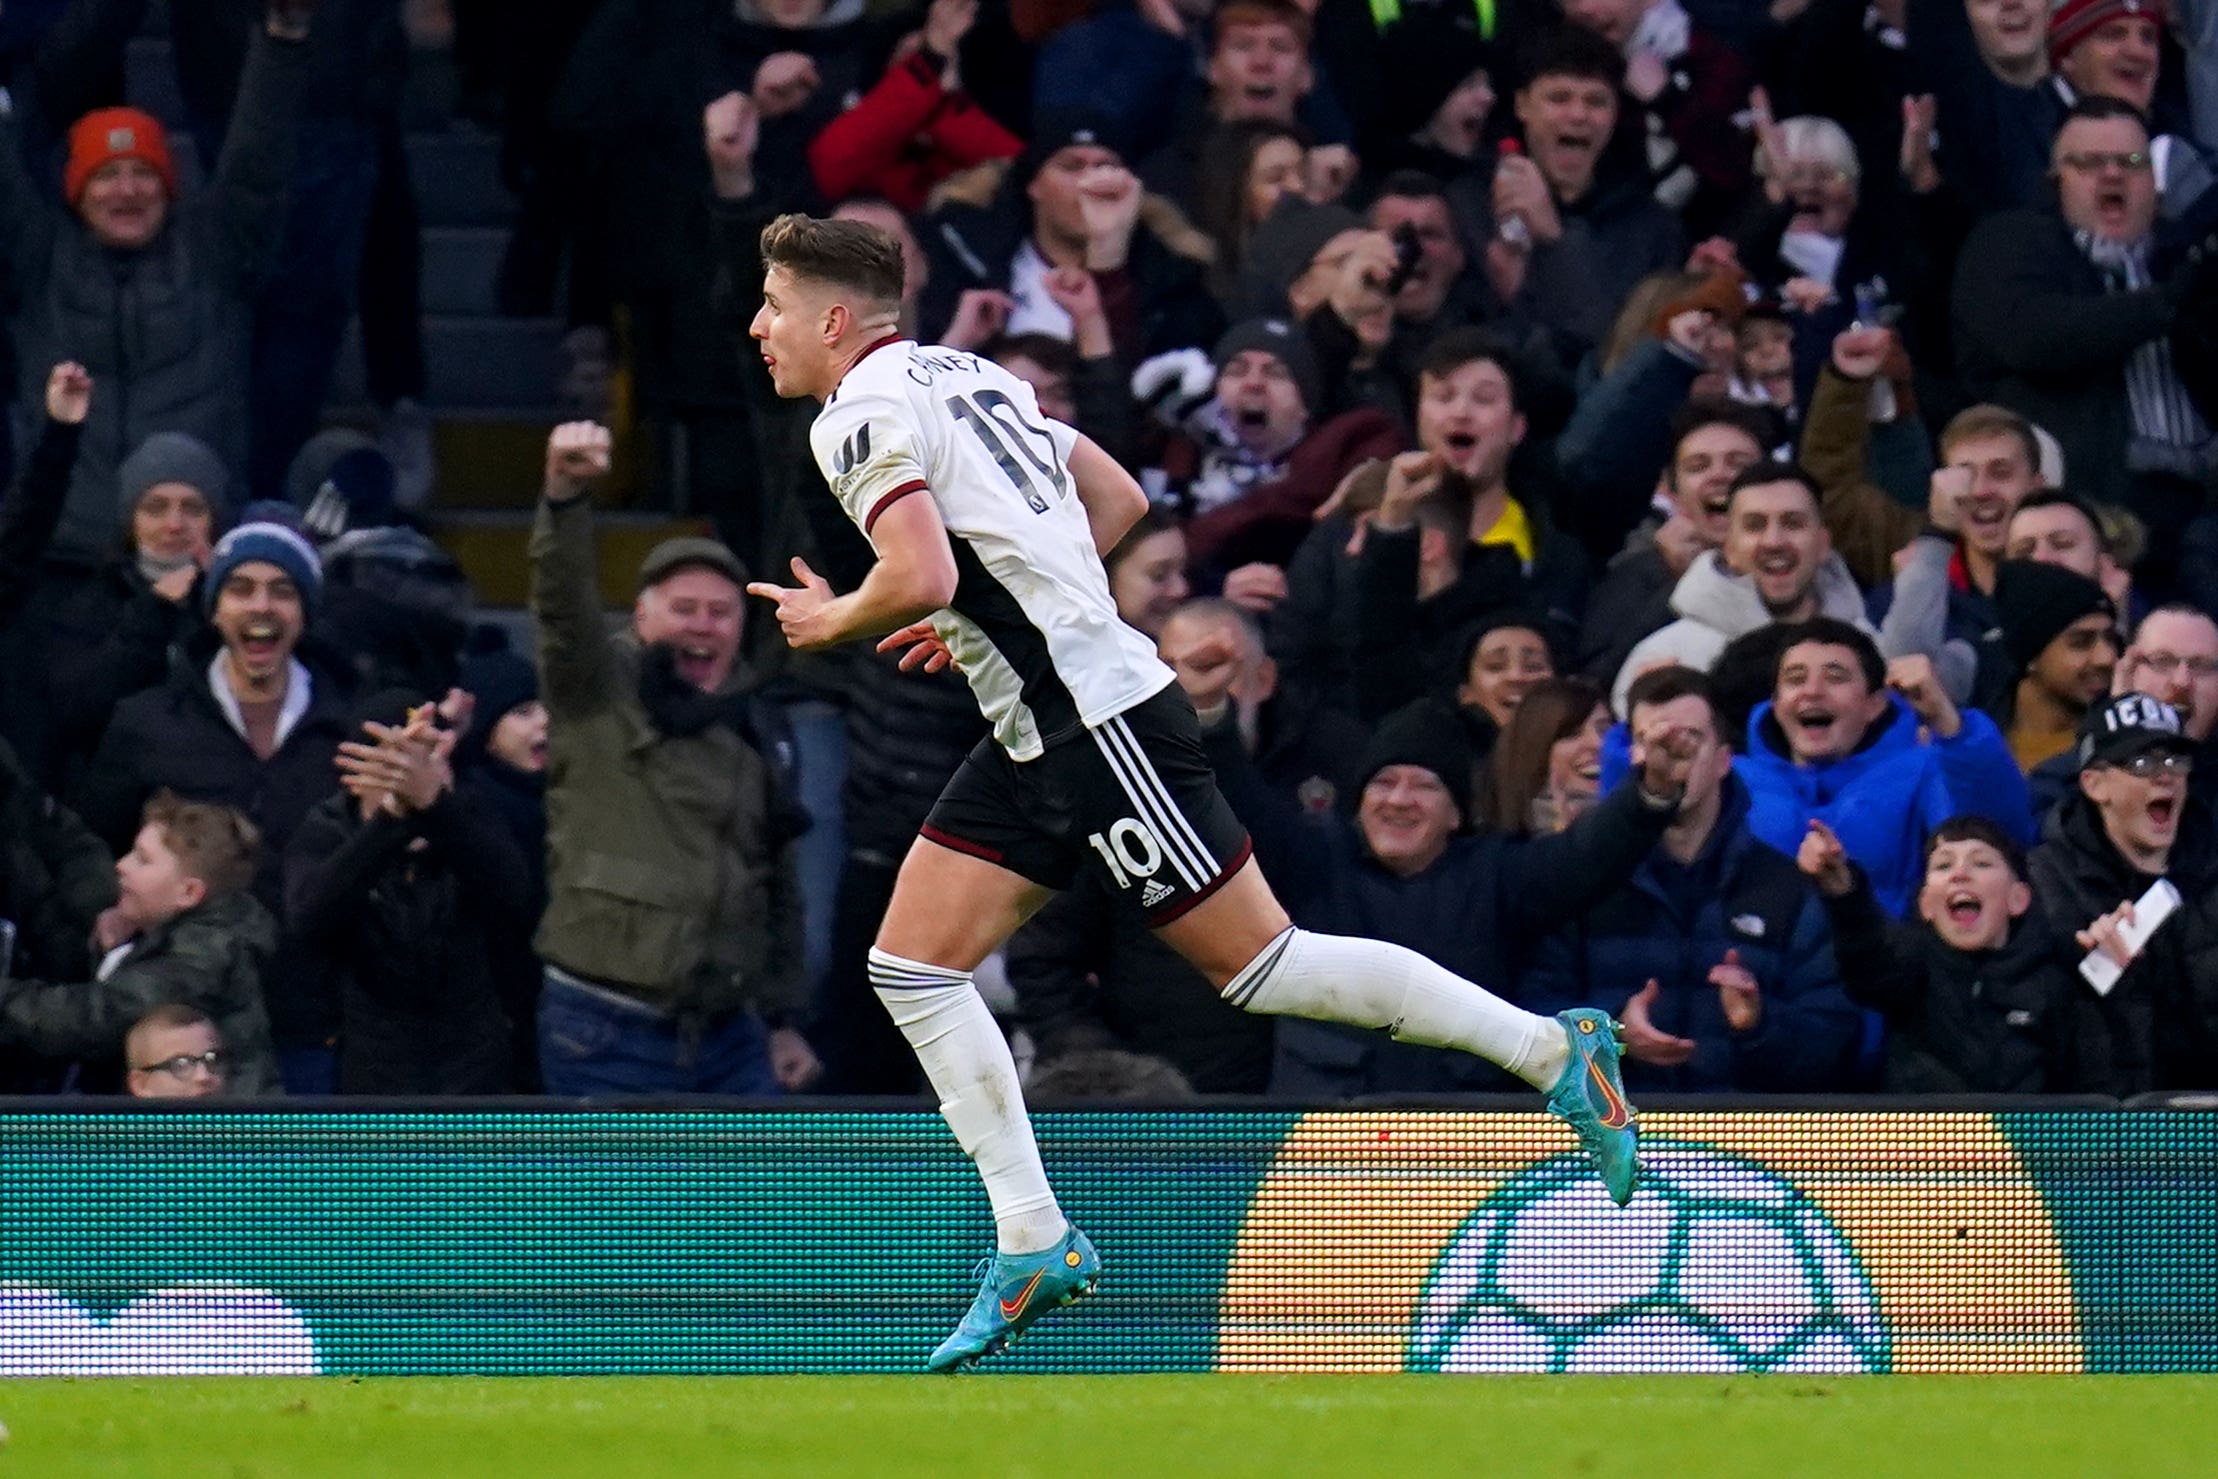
point(1833, 377)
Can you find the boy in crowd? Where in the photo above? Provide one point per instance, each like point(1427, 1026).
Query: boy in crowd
point(185, 928)
point(1978, 994)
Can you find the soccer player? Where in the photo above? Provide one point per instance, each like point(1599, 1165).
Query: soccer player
point(989, 522)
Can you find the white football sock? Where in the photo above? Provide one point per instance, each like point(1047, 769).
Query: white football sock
point(1370, 983)
point(967, 1060)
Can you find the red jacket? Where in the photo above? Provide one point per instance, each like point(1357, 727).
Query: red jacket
point(904, 136)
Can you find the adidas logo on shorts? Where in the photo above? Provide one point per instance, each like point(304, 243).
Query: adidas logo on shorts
point(1155, 893)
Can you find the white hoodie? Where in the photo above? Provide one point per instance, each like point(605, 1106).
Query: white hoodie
point(1715, 606)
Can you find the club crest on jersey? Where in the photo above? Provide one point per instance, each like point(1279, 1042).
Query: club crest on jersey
point(852, 453)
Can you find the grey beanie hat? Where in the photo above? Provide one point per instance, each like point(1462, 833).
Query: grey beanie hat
point(174, 457)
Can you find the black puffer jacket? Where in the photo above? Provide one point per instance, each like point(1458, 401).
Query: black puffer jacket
point(410, 919)
point(176, 738)
point(2158, 1027)
point(1991, 1022)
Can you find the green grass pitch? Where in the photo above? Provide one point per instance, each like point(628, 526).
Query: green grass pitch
point(647, 1427)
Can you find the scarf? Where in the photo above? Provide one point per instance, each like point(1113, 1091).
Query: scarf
point(2165, 422)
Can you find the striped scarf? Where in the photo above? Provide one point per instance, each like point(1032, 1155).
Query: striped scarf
point(2168, 429)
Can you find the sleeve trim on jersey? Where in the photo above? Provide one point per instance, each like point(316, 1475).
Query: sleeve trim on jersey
point(889, 499)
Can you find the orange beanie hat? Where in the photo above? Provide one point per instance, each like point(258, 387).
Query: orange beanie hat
point(108, 134)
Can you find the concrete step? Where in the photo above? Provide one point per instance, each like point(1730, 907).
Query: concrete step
point(457, 175)
point(494, 550)
point(462, 268)
point(503, 364)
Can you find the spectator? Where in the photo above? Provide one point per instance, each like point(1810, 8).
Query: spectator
point(673, 937)
point(2066, 315)
point(410, 895)
point(155, 296)
point(1684, 90)
point(175, 1052)
point(1741, 994)
point(2061, 634)
point(1258, 68)
point(2106, 844)
point(56, 880)
point(1584, 237)
point(500, 766)
point(1834, 744)
point(1409, 870)
point(1712, 441)
point(916, 125)
point(1776, 566)
point(1546, 769)
point(242, 721)
point(1321, 267)
point(2173, 657)
point(1069, 202)
point(1255, 461)
point(1977, 995)
point(1988, 61)
point(1243, 171)
point(1448, 543)
point(1511, 656)
point(185, 928)
point(1435, 291)
point(1943, 593)
point(1436, 116)
point(1147, 572)
point(2106, 49)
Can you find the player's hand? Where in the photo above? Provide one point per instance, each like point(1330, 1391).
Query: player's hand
point(1109, 197)
point(1946, 493)
point(1644, 1041)
point(1824, 861)
point(112, 928)
point(1207, 666)
point(2103, 935)
point(1521, 190)
point(800, 608)
point(784, 83)
point(792, 1061)
point(731, 127)
point(1858, 353)
point(1257, 587)
point(1913, 677)
point(925, 650)
point(1664, 755)
point(578, 454)
point(1411, 478)
point(1738, 995)
point(69, 393)
point(980, 316)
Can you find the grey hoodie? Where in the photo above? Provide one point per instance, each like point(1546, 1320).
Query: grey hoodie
point(1715, 606)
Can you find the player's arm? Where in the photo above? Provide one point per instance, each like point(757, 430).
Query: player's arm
point(914, 577)
point(1113, 500)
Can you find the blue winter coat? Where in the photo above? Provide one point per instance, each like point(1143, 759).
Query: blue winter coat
point(1750, 899)
point(1886, 798)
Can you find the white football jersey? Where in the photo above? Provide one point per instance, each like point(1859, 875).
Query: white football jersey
point(1032, 623)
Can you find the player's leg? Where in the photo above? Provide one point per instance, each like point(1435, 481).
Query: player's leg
point(1240, 938)
point(950, 910)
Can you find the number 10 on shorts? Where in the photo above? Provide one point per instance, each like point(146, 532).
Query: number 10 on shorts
point(1130, 851)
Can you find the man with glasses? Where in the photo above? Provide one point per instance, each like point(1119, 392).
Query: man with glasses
point(174, 1052)
point(2173, 657)
point(2084, 319)
point(2127, 826)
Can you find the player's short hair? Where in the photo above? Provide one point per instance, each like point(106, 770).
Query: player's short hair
point(1831, 631)
point(1971, 827)
point(846, 254)
point(1990, 420)
point(1665, 685)
point(215, 844)
point(1452, 350)
point(1716, 410)
point(1771, 470)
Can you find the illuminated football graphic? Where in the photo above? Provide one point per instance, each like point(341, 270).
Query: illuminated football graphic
point(1717, 1265)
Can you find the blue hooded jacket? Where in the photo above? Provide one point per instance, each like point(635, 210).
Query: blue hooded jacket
point(1886, 798)
point(1882, 801)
